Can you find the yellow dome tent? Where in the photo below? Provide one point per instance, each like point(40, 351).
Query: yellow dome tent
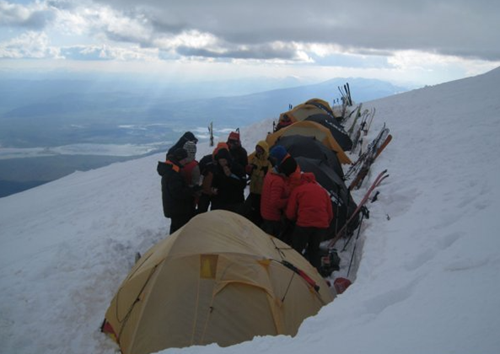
point(219, 279)
point(313, 129)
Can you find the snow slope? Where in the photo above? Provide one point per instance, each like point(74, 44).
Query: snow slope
point(428, 281)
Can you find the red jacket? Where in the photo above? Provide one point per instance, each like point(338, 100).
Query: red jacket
point(274, 198)
point(191, 173)
point(310, 204)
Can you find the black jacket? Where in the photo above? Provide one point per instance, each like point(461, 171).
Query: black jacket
point(206, 164)
point(177, 197)
point(240, 155)
point(230, 189)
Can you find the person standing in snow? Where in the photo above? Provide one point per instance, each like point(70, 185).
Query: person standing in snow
point(257, 169)
point(238, 153)
point(290, 168)
point(228, 183)
point(275, 191)
point(310, 206)
point(207, 167)
point(177, 196)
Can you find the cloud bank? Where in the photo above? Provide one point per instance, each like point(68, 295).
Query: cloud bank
point(360, 33)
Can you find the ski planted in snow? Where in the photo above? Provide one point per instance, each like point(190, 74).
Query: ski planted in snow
point(381, 176)
point(357, 135)
point(362, 165)
point(363, 172)
point(383, 145)
point(370, 120)
point(357, 116)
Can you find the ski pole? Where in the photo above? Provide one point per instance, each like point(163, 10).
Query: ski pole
point(363, 214)
point(352, 257)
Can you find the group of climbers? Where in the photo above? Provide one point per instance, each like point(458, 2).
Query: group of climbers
point(280, 195)
point(190, 187)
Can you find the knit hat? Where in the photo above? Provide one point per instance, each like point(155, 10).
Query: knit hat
point(180, 154)
point(234, 136)
point(278, 153)
point(190, 147)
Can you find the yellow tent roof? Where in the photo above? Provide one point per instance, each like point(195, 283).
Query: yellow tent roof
point(322, 103)
point(219, 279)
point(308, 128)
point(301, 112)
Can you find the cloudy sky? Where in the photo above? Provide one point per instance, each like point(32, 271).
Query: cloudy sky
point(403, 41)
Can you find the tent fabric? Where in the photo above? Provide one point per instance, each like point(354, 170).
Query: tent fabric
point(318, 111)
point(342, 202)
point(337, 130)
point(312, 129)
point(322, 104)
point(219, 279)
point(301, 112)
point(308, 146)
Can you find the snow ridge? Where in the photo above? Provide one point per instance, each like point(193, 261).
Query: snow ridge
point(429, 276)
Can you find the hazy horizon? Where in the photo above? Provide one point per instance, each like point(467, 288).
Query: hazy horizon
point(50, 128)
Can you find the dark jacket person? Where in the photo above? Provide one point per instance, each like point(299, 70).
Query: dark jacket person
point(177, 196)
point(228, 183)
point(238, 152)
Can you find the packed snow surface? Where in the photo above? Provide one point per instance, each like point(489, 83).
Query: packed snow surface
point(429, 276)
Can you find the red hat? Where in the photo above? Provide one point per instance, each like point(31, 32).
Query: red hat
point(234, 136)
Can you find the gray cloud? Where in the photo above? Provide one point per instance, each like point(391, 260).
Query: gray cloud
point(455, 27)
point(259, 52)
point(277, 30)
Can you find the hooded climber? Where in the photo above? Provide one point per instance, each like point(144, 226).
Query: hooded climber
point(310, 206)
point(177, 196)
point(238, 153)
point(187, 136)
point(257, 169)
